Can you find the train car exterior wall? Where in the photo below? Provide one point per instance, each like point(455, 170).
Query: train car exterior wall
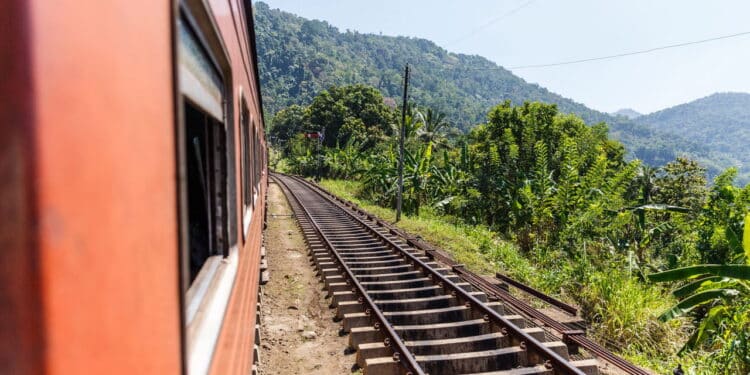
point(91, 278)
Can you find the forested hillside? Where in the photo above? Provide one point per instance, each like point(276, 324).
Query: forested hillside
point(299, 58)
point(627, 112)
point(721, 122)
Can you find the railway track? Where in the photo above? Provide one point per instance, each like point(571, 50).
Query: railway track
point(405, 313)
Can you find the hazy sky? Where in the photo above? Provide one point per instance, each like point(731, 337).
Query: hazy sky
point(549, 31)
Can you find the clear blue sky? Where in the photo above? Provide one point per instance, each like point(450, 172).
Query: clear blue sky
point(547, 31)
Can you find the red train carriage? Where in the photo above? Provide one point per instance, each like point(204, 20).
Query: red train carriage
point(132, 184)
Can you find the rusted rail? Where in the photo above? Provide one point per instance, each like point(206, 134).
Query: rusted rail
point(573, 337)
point(531, 291)
point(414, 348)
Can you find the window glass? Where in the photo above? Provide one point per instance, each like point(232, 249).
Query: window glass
point(255, 169)
point(199, 80)
point(246, 156)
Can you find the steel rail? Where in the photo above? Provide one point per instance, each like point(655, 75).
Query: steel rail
point(549, 299)
point(570, 336)
point(405, 358)
point(553, 360)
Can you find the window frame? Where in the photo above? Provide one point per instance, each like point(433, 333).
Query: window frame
point(256, 160)
point(248, 198)
point(205, 300)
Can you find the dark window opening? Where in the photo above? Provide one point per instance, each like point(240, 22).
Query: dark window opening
point(256, 161)
point(247, 195)
point(205, 147)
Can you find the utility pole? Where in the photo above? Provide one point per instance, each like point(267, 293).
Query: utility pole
point(321, 136)
point(399, 198)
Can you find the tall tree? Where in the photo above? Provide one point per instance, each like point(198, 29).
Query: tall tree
point(287, 123)
point(355, 111)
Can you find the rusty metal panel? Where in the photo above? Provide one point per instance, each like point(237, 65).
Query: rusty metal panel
point(233, 354)
point(105, 186)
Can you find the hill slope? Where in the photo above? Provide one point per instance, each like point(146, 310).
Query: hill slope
point(300, 57)
point(627, 112)
point(721, 122)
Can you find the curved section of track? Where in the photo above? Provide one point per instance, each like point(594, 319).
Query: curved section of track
point(406, 313)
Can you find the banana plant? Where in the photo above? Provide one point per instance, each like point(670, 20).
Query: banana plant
point(706, 284)
point(722, 289)
point(343, 163)
point(380, 181)
point(417, 175)
point(380, 177)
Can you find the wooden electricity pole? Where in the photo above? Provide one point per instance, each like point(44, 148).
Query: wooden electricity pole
point(399, 198)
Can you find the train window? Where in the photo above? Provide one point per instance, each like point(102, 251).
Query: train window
point(247, 175)
point(204, 142)
point(207, 185)
point(255, 169)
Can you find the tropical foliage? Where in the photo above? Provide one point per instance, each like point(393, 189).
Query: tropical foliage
point(299, 58)
point(717, 295)
point(552, 198)
point(565, 196)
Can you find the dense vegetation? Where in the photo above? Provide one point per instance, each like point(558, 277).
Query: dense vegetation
point(555, 203)
point(300, 58)
point(720, 121)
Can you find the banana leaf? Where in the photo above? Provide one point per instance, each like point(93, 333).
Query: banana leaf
point(657, 207)
point(691, 287)
point(737, 271)
point(710, 323)
point(694, 301)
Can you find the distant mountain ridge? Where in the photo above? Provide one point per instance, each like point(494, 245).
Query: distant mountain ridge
point(721, 122)
point(299, 57)
point(628, 113)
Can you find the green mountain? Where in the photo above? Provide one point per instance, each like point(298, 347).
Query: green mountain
point(299, 57)
point(720, 122)
point(628, 113)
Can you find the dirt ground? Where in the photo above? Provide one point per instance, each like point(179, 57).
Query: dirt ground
point(298, 334)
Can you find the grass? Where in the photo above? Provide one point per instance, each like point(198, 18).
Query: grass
point(476, 247)
point(620, 309)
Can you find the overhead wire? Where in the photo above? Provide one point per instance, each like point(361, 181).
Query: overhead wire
point(606, 57)
point(492, 22)
point(639, 52)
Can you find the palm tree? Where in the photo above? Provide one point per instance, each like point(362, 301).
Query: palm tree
point(433, 129)
point(414, 120)
point(646, 181)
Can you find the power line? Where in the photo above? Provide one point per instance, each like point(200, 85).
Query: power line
point(578, 61)
point(492, 22)
point(624, 54)
point(640, 52)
